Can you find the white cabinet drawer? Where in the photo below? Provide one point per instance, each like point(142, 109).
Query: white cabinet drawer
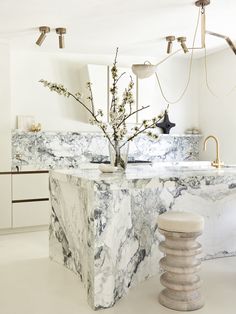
point(5, 201)
point(30, 186)
point(27, 214)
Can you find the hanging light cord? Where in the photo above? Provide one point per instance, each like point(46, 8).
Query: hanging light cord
point(190, 68)
point(207, 82)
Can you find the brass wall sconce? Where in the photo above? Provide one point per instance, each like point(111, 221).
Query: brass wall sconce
point(61, 31)
point(170, 40)
point(43, 30)
point(182, 41)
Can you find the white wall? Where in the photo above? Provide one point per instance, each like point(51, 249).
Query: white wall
point(173, 76)
point(58, 113)
point(197, 109)
point(5, 121)
point(218, 115)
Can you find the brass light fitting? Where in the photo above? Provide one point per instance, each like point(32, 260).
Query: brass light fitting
point(182, 41)
point(202, 3)
point(61, 31)
point(43, 30)
point(170, 40)
point(228, 40)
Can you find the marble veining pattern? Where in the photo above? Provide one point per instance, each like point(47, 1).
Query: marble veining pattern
point(104, 225)
point(50, 150)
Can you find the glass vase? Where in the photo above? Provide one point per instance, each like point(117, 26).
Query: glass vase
point(119, 155)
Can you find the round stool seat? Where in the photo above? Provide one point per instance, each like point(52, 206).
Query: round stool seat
point(177, 221)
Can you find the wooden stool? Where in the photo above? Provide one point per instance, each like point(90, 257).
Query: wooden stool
point(180, 264)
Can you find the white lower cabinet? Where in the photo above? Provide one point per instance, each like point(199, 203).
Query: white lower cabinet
point(28, 214)
point(30, 186)
point(5, 201)
point(30, 204)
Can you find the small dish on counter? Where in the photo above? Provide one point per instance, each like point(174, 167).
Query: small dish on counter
point(105, 168)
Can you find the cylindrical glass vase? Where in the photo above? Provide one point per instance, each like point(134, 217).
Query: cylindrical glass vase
point(119, 155)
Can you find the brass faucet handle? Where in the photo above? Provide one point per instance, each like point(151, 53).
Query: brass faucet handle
point(217, 164)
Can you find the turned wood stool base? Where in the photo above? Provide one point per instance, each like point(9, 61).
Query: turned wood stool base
point(182, 302)
point(180, 279)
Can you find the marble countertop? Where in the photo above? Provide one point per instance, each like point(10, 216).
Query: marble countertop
point(147, 172)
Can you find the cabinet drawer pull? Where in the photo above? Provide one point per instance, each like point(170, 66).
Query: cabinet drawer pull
point(31, 200)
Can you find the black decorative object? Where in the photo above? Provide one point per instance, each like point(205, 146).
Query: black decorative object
point(166, 125)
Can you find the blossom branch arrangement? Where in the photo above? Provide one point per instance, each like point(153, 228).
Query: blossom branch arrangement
point(120, 111)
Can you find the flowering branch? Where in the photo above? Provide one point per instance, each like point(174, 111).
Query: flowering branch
point(139, 130)
point(120, 111)
point(61, 90)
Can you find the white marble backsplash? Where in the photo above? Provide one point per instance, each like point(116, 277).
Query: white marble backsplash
point(50, 150)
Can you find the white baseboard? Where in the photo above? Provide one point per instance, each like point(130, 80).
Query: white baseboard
point(25, 229)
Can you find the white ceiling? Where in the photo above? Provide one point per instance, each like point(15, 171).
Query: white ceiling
point(138, 27)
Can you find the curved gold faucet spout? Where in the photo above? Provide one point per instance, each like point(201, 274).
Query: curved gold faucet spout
point(216, 163)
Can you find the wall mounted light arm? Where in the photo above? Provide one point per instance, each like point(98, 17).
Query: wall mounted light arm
point(228, 40)
point(43, 30)
point(146, 69)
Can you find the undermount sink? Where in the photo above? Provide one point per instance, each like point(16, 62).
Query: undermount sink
point(190, 166)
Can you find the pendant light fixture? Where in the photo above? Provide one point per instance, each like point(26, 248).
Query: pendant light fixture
point(147, 69)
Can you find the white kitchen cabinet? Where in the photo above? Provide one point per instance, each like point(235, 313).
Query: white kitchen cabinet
point(28, 214)
point(5, 201)
point(30, 199)
point(30, 186)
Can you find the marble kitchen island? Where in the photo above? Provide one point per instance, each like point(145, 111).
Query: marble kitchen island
point(104, 226)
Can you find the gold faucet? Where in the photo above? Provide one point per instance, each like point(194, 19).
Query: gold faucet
point(216, 163)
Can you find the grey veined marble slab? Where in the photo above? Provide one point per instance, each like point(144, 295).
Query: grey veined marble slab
point(50, 150)
point(104, 226)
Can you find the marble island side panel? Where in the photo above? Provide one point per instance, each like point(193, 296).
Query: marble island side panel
point(104, 227)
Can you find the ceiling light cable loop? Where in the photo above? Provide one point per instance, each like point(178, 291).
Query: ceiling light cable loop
point(190, 68)
point(207, 82)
